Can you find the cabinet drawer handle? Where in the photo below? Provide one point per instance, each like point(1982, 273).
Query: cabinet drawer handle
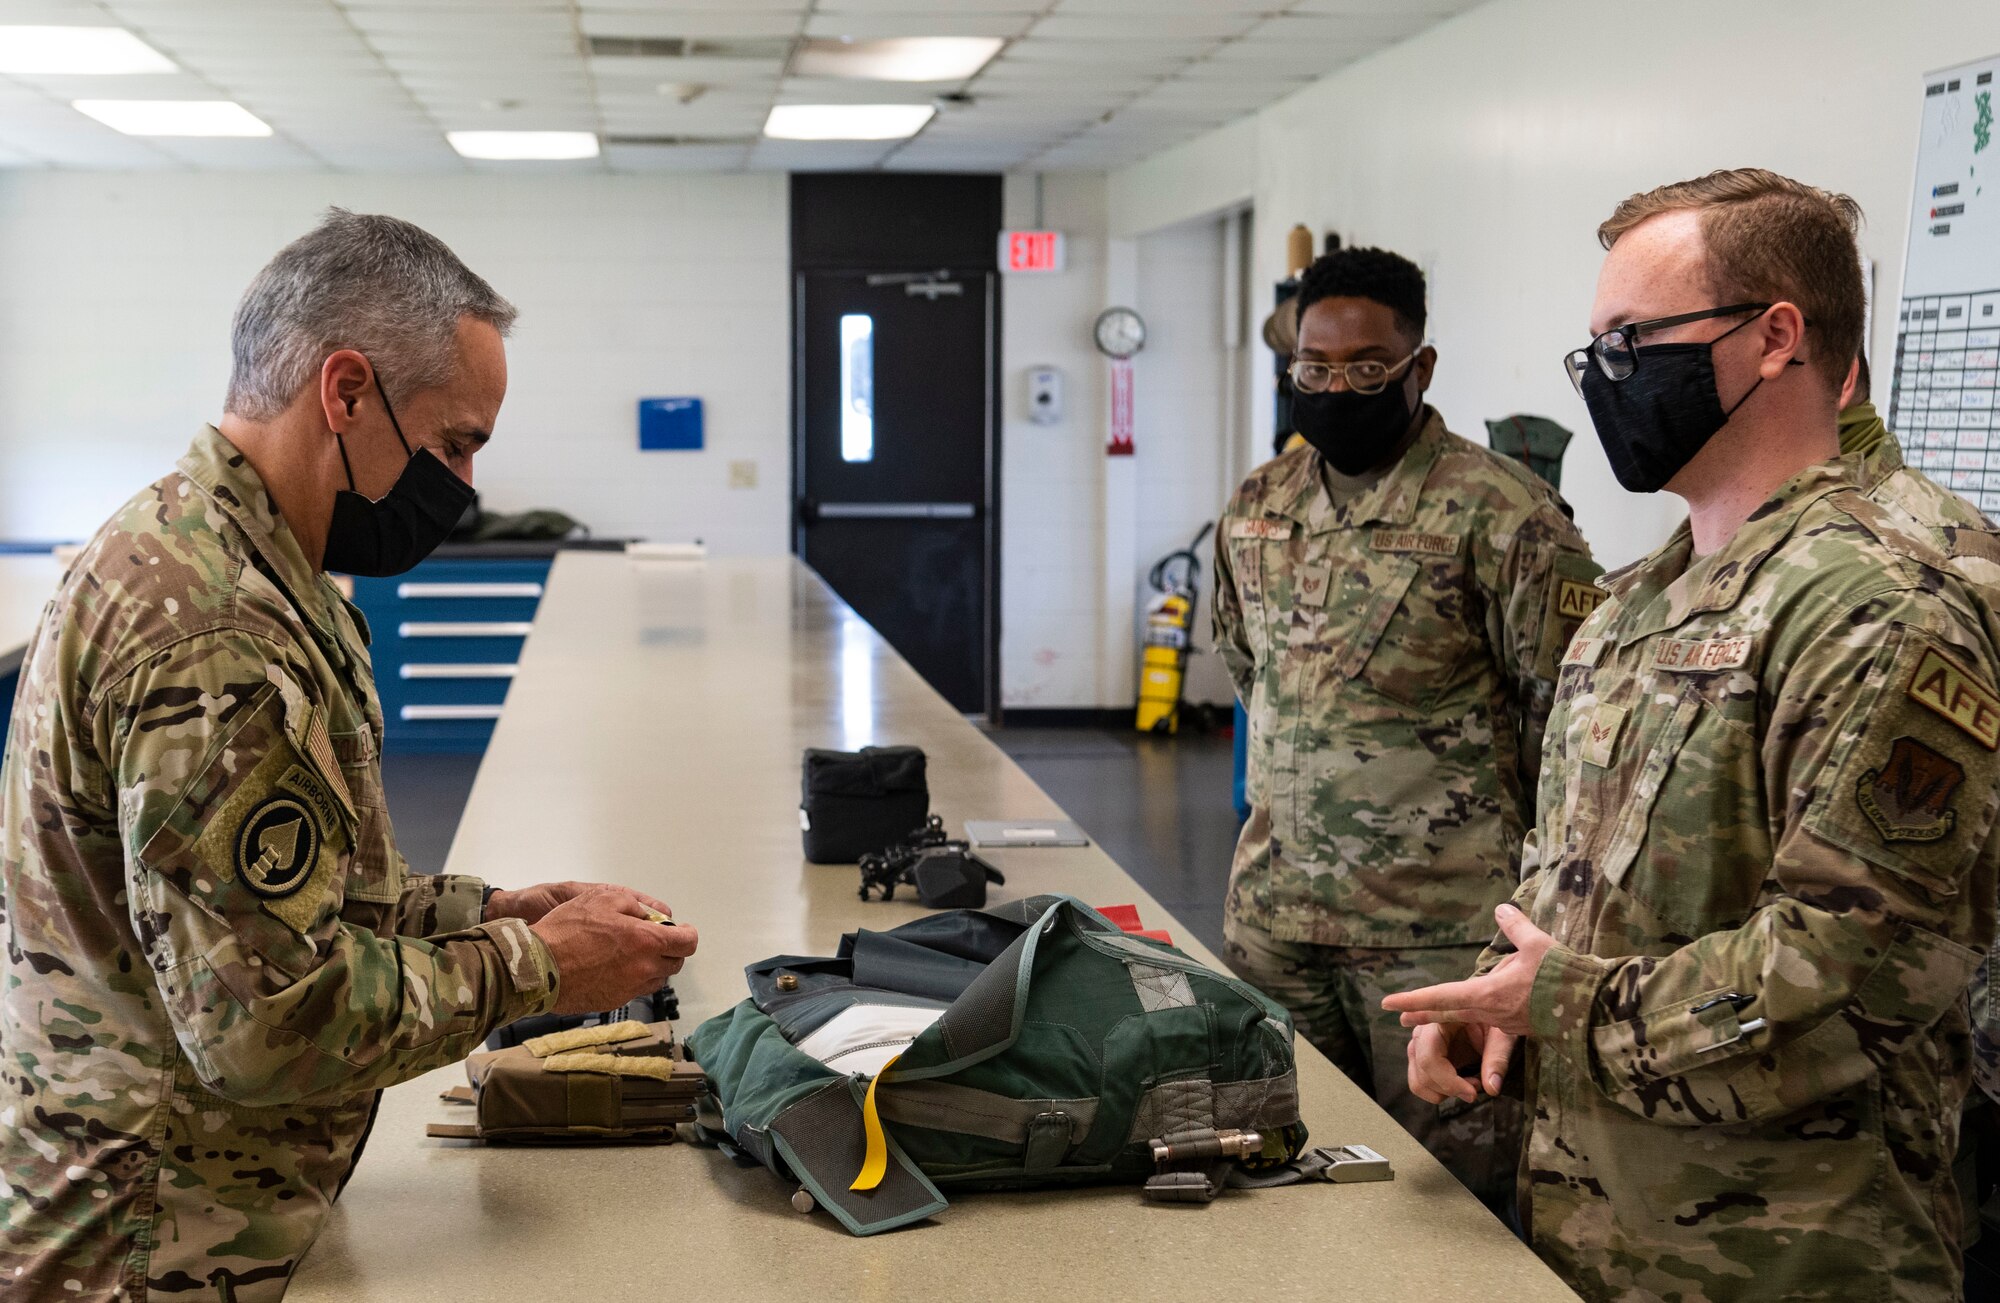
point(468, 590)
point(464, 628)
point(450, 712)
point(473, 671)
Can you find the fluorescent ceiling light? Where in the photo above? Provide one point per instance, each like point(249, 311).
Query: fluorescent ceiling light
point(77, 51)
point(524, 144)
point(175, 117)
point(906, 58)
point(846, 121)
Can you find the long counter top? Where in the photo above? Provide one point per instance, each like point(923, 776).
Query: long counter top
point(652, 737)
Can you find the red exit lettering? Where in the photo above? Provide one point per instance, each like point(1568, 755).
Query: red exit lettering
point(1031, 251)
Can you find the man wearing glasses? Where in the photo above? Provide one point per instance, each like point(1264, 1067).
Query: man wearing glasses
point(1392, 602)
point(1766, 852)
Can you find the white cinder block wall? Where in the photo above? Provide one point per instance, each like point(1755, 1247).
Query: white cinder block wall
point(1182, 421)
point(116, 293)
point(1051, 503)
point(1490, 147)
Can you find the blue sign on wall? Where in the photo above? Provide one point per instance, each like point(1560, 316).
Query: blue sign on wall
point(669, 424)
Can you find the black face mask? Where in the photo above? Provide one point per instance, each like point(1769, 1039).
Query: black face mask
point(1354, 432)
point(1653, 422)
point(390, 536)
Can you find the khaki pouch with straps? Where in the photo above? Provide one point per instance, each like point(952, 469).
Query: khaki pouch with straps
point(619, 1083)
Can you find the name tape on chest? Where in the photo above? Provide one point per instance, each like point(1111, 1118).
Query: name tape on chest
point(1575, 601)
point(1954, 694)
point(1410, 540)
point(1695, 656)
point(1274, 530)
point(1584, 651)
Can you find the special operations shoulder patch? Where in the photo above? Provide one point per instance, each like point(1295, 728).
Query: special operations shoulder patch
point(1909, 798)
point(279, 841)
point(277, 847)
point(1957, 696)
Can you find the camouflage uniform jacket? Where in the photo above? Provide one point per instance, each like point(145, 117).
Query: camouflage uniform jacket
point(1765, 851)
point(1396, 656)
point(1965, 535)
point(214, 957)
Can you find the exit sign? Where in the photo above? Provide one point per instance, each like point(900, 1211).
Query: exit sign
point(1028, 251)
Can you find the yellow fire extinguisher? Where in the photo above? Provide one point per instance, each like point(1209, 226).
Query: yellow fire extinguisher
point(1176, 580)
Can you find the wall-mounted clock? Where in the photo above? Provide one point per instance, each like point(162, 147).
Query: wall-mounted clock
point(1120, 332)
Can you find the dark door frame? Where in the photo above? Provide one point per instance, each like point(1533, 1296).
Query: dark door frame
point(989, 507)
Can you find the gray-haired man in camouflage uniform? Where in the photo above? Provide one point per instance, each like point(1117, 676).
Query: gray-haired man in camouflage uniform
point(214, 955)
point(1391, 600)
point(1765, 861)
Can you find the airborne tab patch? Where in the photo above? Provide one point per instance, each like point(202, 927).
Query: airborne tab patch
point(1410, 540)
point(1275, 530)
point(1695, 656)
point(1954, 694)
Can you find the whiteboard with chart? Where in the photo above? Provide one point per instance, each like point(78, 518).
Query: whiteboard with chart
point(1947, 361)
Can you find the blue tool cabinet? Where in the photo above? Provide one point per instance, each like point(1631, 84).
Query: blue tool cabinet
point(446, 639)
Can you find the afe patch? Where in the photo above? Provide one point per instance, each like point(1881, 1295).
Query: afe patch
point(277, 847)
point(1956, 696)
point(1575, 601)
point(1909, 798)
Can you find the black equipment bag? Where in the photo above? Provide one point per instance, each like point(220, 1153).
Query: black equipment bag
point(855, 803)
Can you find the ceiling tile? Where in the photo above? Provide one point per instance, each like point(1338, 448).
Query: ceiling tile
point(698, 70)
point(796, 8)
point(1025, 7)
point(818, 155)
point(705, 25)
point(1208, 25)
point(676, 158)
point(878, 26)
point(1156, 8)
point(370, 84)
point(1035, 49)
point(1435, 8)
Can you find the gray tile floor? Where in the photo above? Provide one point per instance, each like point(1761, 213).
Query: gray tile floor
point(1158, 806)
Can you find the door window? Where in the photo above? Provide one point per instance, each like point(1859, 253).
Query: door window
point(857, 387)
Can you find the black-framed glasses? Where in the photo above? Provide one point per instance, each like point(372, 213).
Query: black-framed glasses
point(1616, 351)
point(1369, 377)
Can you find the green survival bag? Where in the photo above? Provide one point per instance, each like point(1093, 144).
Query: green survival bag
point(1039, 1045)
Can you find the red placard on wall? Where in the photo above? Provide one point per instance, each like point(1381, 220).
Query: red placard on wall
point(1031, 251)
point(1121, 409)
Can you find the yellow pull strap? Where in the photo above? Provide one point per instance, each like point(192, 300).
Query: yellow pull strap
point(875, 1163)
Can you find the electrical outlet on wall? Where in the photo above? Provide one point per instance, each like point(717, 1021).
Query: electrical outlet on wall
point(743, 474)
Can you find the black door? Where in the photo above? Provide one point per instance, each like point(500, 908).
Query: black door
point(895, 461)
